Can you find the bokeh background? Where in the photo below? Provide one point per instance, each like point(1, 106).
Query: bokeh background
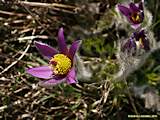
point(97, 96)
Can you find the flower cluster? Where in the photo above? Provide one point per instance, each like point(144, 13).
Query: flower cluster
point(61, 63)
point(134, 13)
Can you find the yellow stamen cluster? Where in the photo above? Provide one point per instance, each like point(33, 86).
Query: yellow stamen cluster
point(141, 41)
point(60, 64)
point(136, 17)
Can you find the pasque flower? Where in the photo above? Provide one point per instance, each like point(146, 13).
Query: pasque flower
point(134, 13)
point(138, 40)
point(61, 63)
point(142, 40)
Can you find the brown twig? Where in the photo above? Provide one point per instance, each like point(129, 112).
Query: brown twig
point(23, 54)
point(55, 6)
point(12, 13)
point(39, 4)
point(15, 62)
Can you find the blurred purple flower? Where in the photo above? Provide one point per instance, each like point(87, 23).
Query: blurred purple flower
point(137, 40)
point(61, 63)
point(142, 39)
point(134, 13)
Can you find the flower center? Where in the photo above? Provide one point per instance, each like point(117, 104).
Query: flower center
point(136, 17)
point(60, 64)
point(141, 42)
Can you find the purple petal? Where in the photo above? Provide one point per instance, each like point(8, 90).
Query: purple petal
point(129, 46)
point(75, 45)
point(61, 42)
point(51, 82)
point(135, 26)
point(133, 7)
point(71, 77)
point(124, 10)
point(40, 72)
point(45, 50)
point(142, 32)
point(146, 44)
point(140, 5)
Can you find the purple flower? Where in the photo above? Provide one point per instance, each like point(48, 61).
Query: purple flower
point(133, 12)
point(61, 63)
point(142, 40)
point(137, 40)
